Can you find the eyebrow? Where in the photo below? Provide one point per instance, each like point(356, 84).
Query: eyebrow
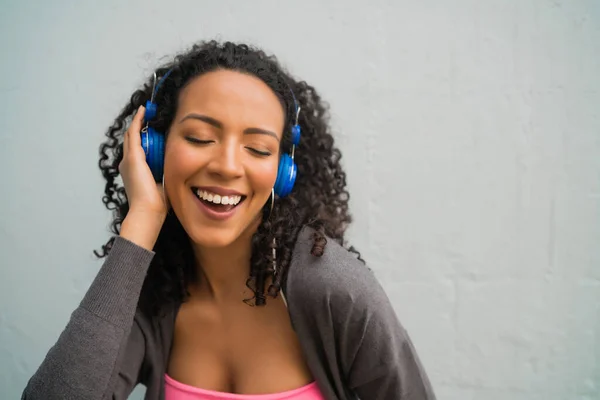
point(219, 125)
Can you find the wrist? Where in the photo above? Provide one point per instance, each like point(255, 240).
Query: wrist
point(142, 228)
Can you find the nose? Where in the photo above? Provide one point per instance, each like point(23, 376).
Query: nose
point(227, 161)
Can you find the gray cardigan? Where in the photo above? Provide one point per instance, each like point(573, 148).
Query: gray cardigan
point(350, 336)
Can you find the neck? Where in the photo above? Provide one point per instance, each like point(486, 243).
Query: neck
point(223, 271)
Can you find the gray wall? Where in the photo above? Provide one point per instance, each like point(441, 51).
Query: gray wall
point(470, 132)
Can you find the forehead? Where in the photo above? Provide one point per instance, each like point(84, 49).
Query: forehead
point(232, 97)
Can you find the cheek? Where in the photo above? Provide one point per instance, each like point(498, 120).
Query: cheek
point(180, 159)
point(263, 176)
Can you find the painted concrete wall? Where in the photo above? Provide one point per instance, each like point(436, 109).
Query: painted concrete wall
point(471, 138)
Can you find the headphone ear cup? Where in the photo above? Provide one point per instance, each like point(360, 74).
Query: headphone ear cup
point(286, 176)
point(153, 143)
point(150, 111)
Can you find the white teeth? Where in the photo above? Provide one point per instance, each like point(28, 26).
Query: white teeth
point(218, 199)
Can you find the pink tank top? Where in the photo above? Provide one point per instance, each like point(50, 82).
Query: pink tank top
point(178, 391)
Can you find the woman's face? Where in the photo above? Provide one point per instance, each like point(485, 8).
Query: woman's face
point(222, 154)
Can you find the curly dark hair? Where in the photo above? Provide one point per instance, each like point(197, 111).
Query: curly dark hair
point(319, 199)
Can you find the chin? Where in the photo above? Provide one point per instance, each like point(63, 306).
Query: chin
point(213, 238)
point(207, 235)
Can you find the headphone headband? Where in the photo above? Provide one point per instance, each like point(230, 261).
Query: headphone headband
point(157, 86)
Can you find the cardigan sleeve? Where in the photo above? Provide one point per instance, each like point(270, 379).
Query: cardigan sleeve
point(378, 357)
point(353, 341)
point(100, 352)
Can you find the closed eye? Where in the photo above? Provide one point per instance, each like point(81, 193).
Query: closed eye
point(198, 141)
point(258, 152)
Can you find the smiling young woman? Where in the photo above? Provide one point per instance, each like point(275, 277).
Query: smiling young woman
point(218, 283)
point(224, 142)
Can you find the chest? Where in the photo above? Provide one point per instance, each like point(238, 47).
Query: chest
point(236, 348)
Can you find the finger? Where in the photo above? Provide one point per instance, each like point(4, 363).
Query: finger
point(136, 127)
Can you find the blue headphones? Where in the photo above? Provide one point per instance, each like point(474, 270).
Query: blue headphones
point(153, 143)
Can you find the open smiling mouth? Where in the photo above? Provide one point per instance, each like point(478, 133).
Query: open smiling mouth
point(216, 202)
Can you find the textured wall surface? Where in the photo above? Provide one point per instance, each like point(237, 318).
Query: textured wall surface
point(471, 137)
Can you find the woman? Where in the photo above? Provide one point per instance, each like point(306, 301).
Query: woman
point(227, 279)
